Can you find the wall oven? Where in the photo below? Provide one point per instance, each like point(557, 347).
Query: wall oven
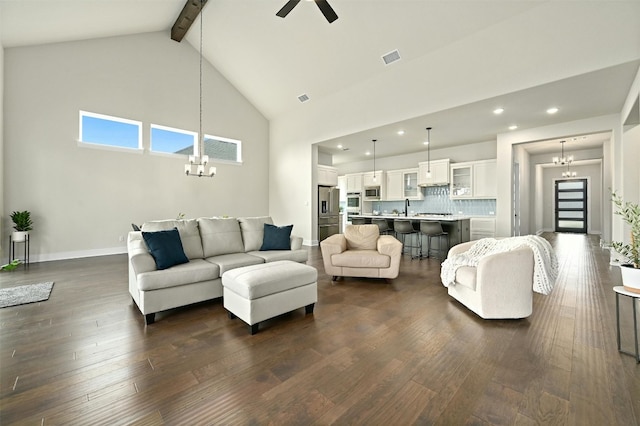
point(353, 202)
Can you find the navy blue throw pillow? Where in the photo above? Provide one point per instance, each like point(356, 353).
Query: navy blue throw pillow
point(165, 247)
point(276, 237)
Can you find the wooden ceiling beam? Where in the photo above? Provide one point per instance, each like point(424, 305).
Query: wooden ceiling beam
point(186, 18)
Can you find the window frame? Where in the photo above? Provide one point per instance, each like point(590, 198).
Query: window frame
point(98, 145)
point(175, 130)
point(237, 142)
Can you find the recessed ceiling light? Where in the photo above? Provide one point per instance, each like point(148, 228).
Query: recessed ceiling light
point(425, 143)
point(367, 153)
point(513, 127)
point(401, 132)
point(552, 110)
point(498, 111)
point(340, 146)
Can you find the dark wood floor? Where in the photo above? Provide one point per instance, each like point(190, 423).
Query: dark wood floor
point(372, 353)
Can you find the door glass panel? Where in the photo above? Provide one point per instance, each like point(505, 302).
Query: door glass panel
point(570, 223)
point(570, 195)
point(570, 185)
point(570, 204)
point(571, 214)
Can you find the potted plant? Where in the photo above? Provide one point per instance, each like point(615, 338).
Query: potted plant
point(630, 271)
point(22, 224)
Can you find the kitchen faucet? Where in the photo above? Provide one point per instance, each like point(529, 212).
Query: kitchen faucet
point(406, 206)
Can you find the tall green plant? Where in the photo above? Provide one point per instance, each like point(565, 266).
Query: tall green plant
point(630, 213)
point(22, 221)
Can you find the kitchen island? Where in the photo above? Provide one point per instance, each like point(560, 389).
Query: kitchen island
point(457, 226)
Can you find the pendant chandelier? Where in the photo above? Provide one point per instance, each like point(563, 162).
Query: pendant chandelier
point(198, 161)
point(428, 143)
point(562, 160)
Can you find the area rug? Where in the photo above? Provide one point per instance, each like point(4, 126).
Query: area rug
point(29, 293)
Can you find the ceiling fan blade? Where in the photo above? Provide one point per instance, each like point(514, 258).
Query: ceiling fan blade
point(287, 8)
point(327, 10)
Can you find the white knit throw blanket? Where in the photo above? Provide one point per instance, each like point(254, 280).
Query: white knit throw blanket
point(545, 265)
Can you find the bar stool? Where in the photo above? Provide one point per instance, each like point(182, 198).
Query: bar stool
point(383, 226)
point(403, 229)
point(433, 229)
point(358, 221)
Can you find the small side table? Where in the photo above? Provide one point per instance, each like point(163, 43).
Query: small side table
point(12, 249)
point(620, 290)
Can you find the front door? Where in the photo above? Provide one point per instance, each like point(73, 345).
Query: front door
point(571, 205)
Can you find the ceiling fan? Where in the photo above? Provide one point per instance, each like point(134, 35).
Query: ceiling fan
point(324, 6)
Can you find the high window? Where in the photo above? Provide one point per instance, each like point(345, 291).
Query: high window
point(172, 141)
point(110, 131)
point(219, 148)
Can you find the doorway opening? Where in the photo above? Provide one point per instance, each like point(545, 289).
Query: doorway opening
point(571, 205)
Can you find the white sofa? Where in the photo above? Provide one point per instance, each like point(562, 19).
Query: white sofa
point(500, 287)
point(213, 246)
point(361, 252)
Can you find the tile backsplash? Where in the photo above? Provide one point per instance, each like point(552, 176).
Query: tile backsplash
point(436, 200)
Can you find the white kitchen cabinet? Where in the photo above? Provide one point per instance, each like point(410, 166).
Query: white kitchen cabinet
point(342, 186)
point(394, 185)
point(482, 227)
point(475, 179)
point(439, 173)
point(327, 175)
point(354, 182)
point(373, 178)
point(403, 184)
point(485, 179)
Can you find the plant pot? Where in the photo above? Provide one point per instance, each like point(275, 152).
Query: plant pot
point(630, 278)
point(19, 236)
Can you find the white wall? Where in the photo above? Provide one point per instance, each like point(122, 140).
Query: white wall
point(610, 123)
point(82, 199)
point(593, 174)
point(461, 73)
point(1, 144)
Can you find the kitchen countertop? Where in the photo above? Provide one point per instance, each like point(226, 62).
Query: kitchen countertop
point(442, 218)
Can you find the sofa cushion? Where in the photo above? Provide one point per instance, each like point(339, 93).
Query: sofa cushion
point(362, 237)
point(466, 276)
point(220, 236)
point(165, 247)
point(263, 280)
point(195, 271)
point(189, 234)
point(227, 262)
point(361, 259)
point(276, 237)
point(300, 255)
point(253, 231)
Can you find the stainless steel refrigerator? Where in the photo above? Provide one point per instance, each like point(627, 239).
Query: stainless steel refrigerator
point(328, 211)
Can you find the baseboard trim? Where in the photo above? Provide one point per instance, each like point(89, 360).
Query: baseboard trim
point(50, 257)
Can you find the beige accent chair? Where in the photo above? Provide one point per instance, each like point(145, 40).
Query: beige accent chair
point(500, 287)
point(361, 252)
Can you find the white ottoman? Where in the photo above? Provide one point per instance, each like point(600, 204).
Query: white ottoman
point(258, 292)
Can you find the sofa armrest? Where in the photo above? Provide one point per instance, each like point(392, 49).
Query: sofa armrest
point(460, 248)
point(334, 244)
point(506, 276)
point(139, 256)
point(389, 245)
point(296, 242)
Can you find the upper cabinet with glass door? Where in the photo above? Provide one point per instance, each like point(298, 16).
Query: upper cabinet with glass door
point(403, 184)
point(475, 179)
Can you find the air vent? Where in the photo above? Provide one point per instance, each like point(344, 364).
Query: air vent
point(303, 98)
point(391, 57)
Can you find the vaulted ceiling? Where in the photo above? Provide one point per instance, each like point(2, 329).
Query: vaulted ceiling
point(273, 61)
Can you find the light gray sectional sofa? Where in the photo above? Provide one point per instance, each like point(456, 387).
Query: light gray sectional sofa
point(213, 246)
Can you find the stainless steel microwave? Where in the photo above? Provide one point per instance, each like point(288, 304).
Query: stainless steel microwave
point(372, 193)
